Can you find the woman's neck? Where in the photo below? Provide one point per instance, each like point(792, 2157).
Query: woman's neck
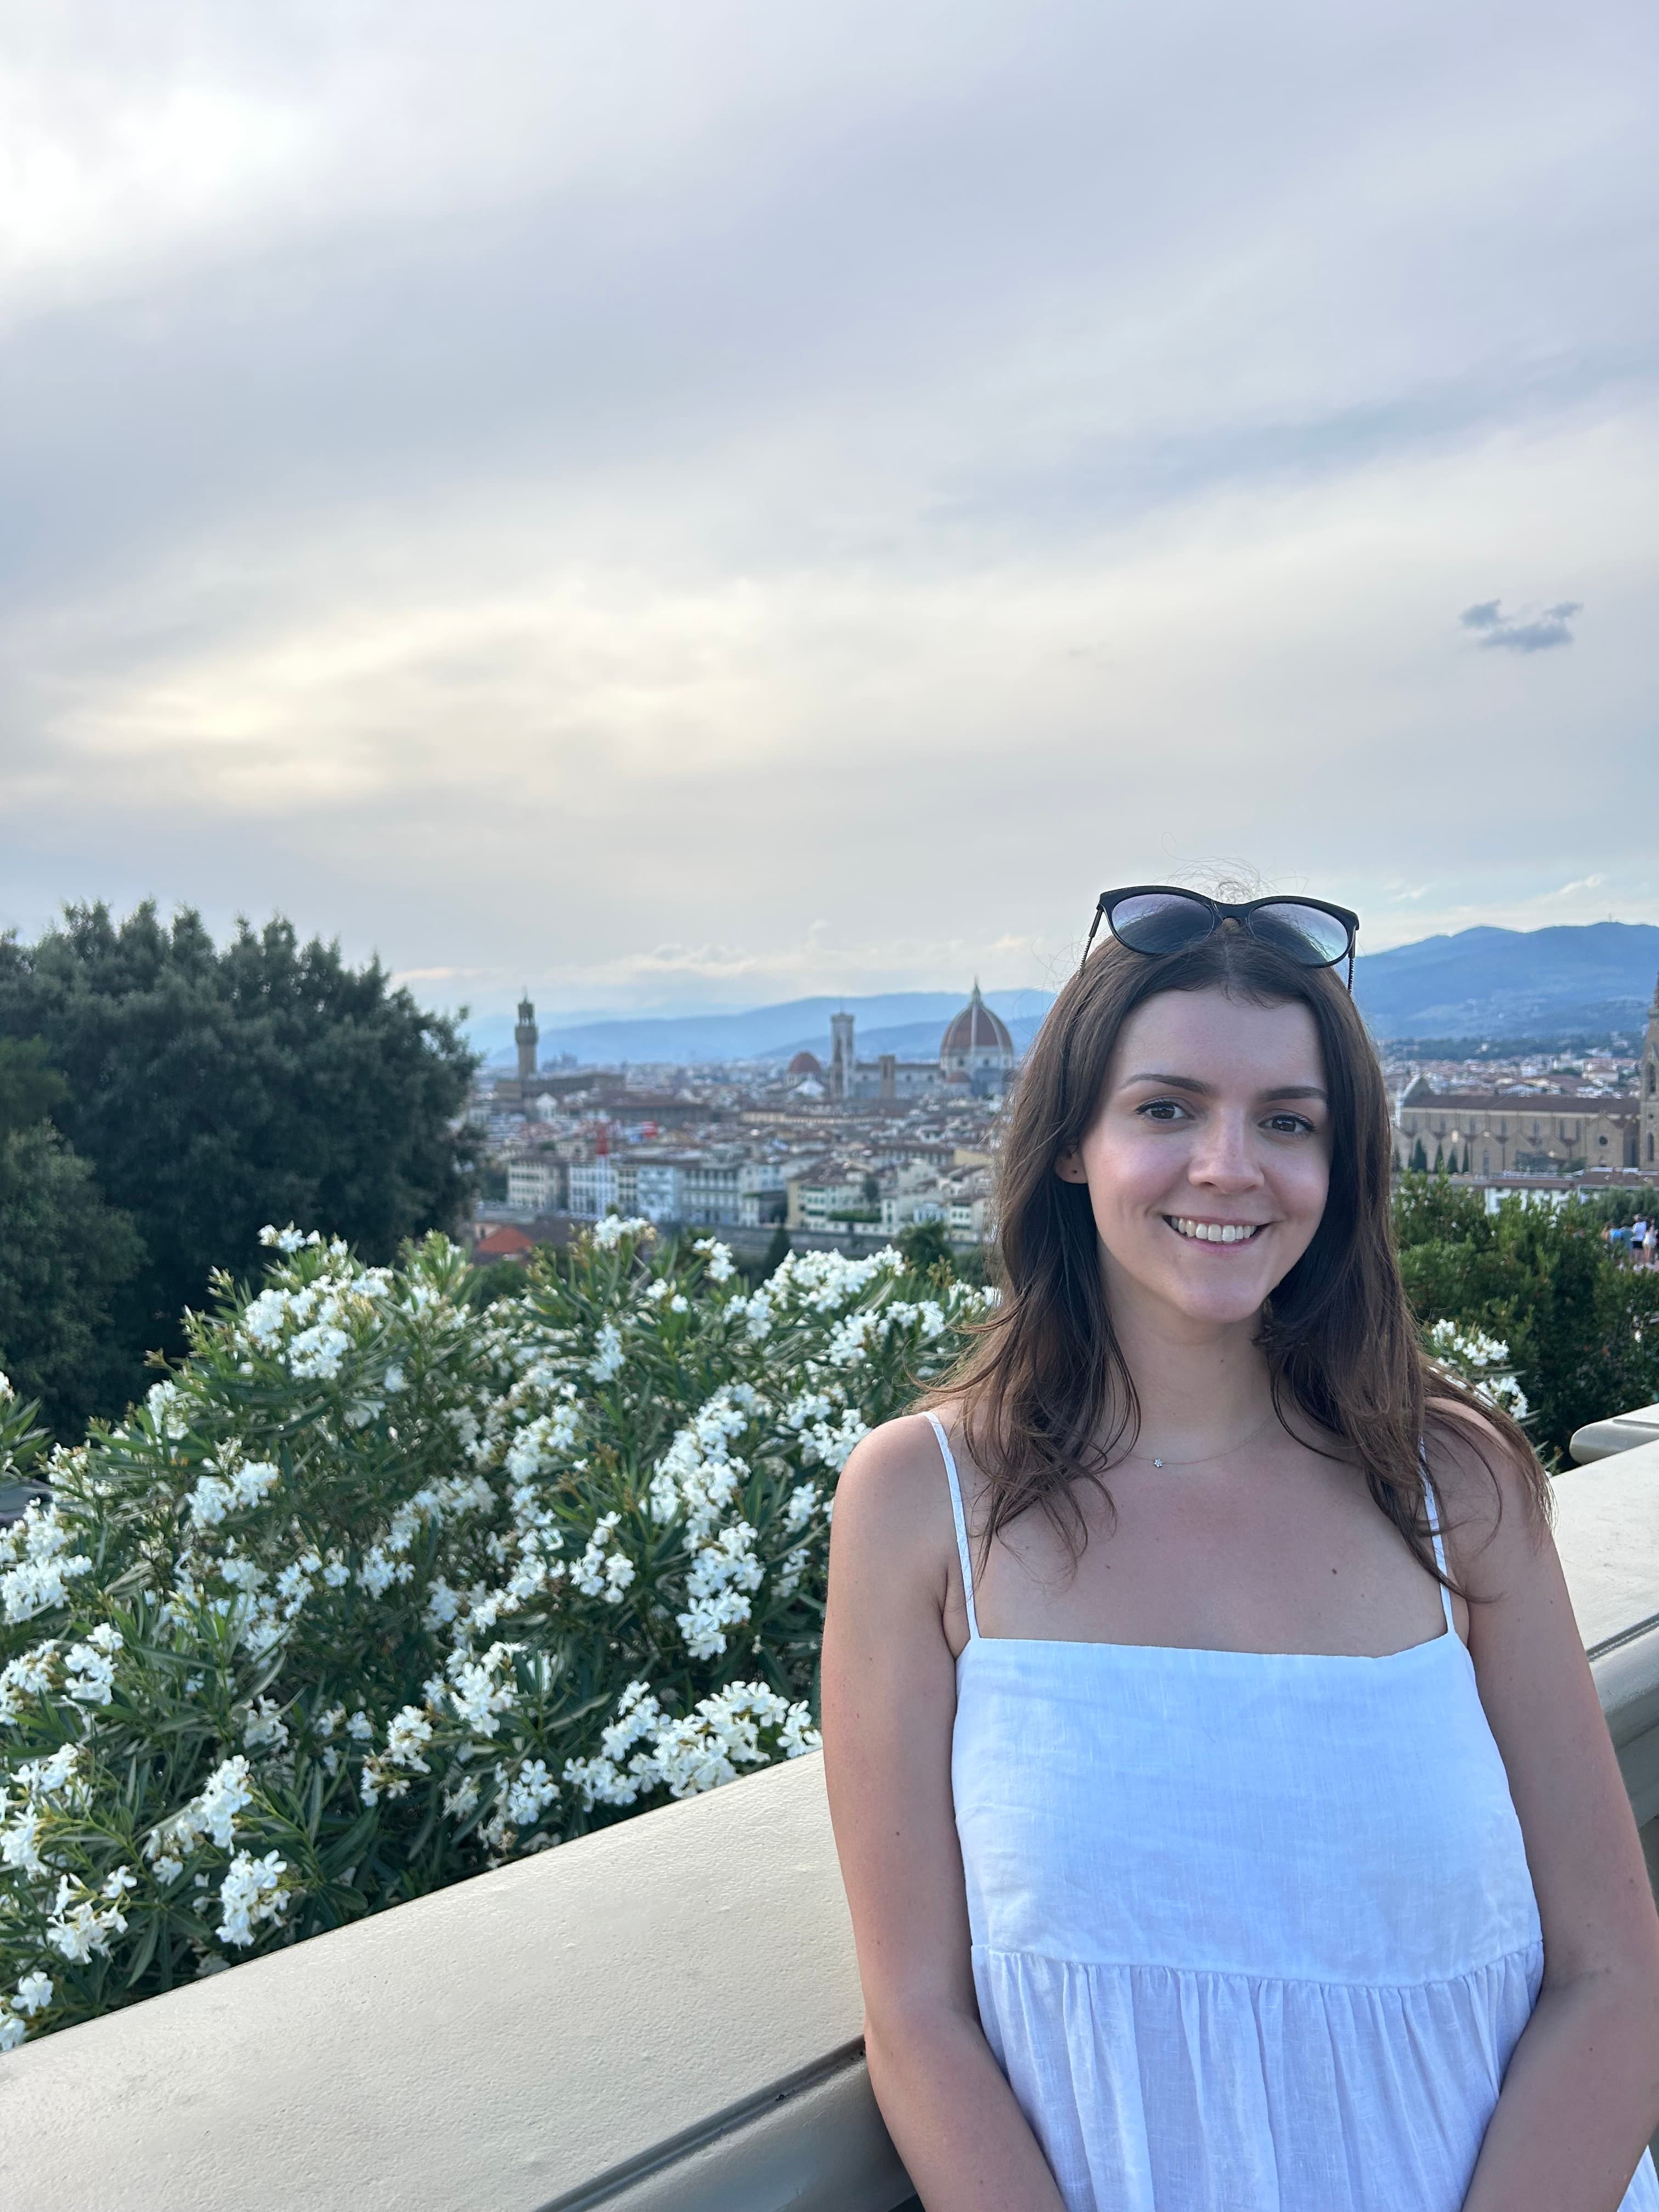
point(1200, 1391)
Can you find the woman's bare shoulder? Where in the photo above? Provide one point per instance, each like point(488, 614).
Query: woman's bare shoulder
point(1494, 1497)
point(892, 1502)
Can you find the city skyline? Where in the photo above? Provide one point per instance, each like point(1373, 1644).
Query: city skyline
point(753, 506)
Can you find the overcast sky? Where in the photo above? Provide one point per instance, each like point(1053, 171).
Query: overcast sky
point(693, 500)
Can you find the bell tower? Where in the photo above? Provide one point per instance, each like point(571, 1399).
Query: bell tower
point(842, 1061)
point(525, 1037)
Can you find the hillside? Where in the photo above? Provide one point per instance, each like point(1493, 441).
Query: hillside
point(907, 1023)
point(1509, 982)
point(1480, 983)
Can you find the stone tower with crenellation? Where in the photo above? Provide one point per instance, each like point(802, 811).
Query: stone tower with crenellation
point(527, 1037)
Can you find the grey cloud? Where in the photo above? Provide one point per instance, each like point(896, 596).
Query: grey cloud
point(822, 352)
point(1523, 633)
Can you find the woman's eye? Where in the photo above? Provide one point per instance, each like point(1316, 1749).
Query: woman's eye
point(1289, 1124)
point(1163, 1110)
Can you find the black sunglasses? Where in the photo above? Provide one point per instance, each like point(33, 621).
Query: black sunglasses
point(1163, 918)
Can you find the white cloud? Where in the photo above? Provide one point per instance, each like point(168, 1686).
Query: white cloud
point(747, 500)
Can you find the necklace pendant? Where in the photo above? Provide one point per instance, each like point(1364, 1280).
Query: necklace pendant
point(1158, 1462)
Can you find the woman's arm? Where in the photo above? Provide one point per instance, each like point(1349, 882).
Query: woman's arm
point(1580, 2096)
point(889, 1703)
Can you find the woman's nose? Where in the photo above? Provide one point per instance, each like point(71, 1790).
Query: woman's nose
point(1222, 1156)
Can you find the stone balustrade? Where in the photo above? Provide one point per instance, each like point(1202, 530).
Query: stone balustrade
point(1623, 1433)
point(664, 2017)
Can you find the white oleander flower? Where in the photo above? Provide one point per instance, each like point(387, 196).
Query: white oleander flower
point(803, 1502)
point(720, 1266)
point(80, 1931)
point(46, 1565)
point(214, 1811)
point(215, 1496)
point(529, 1793)
point(460, 1800)
point(407, 1733)
point(607, 1361)
point(249, 1895)
point(722, 1574)
point(264, 1727)
point(32, 1994)
point(609, 1231)
point(604, 1569)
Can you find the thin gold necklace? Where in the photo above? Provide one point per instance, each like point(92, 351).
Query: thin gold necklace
point(1179, 1465)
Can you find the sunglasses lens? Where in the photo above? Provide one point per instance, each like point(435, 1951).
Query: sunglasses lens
point(1160, 922)
point(1308, 935)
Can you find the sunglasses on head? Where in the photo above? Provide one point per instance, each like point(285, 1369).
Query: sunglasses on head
point(1163, 918)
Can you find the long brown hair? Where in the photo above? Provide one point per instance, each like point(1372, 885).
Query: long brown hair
point(1045, 1395)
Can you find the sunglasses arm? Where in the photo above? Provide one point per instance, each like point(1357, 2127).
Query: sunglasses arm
point(1100, 909)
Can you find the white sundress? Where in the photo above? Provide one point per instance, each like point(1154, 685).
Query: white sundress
point(1252, 1931)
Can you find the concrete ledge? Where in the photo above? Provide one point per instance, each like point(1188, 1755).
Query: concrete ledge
point(666, 2014)
point(1607, 1532)
point(1622, 1432)
point(665, 2017)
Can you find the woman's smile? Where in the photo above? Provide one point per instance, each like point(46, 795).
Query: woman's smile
point(1220, 1236)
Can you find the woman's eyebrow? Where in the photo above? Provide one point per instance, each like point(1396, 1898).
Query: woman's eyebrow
point(1199, 1089)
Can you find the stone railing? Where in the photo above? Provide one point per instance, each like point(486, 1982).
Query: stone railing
point(664, 2017)
point(1623, 1433)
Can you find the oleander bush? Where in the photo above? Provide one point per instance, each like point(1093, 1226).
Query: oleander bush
point(379, 1589)
point(1482, 1362)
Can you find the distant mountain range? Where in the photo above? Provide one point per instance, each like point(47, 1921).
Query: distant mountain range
point(1480, 983)
point(1589, 977)
point(907, 1023)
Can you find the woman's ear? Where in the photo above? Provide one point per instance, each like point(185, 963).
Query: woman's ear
point(1070, 1169)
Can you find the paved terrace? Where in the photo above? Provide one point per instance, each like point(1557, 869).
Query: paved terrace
point(664, 2017)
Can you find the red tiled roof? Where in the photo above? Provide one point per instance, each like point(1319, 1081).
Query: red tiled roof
point(976, 1028)
point(503, 1243)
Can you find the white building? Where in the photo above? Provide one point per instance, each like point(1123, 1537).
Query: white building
point(535, 1185)
point(762, 1196)
point(606, 1185)
point(702, 1189)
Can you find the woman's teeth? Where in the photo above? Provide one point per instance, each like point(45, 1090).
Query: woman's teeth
point(1213, 1232)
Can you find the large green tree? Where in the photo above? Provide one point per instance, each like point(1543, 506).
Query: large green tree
point(1583, 1330)
point(64, 1259)
point(212, 1090)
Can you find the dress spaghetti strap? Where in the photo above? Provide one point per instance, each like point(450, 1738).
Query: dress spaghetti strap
point(1434, 1531)
point(962, 1527)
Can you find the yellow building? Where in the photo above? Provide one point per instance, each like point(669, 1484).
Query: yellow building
point(1502, 1133)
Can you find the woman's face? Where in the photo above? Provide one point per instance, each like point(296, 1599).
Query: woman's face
point(1209, 1160)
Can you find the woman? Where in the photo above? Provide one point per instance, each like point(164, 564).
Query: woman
point(1226, 1813)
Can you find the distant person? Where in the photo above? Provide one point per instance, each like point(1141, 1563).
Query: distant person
point(1214, 1766)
